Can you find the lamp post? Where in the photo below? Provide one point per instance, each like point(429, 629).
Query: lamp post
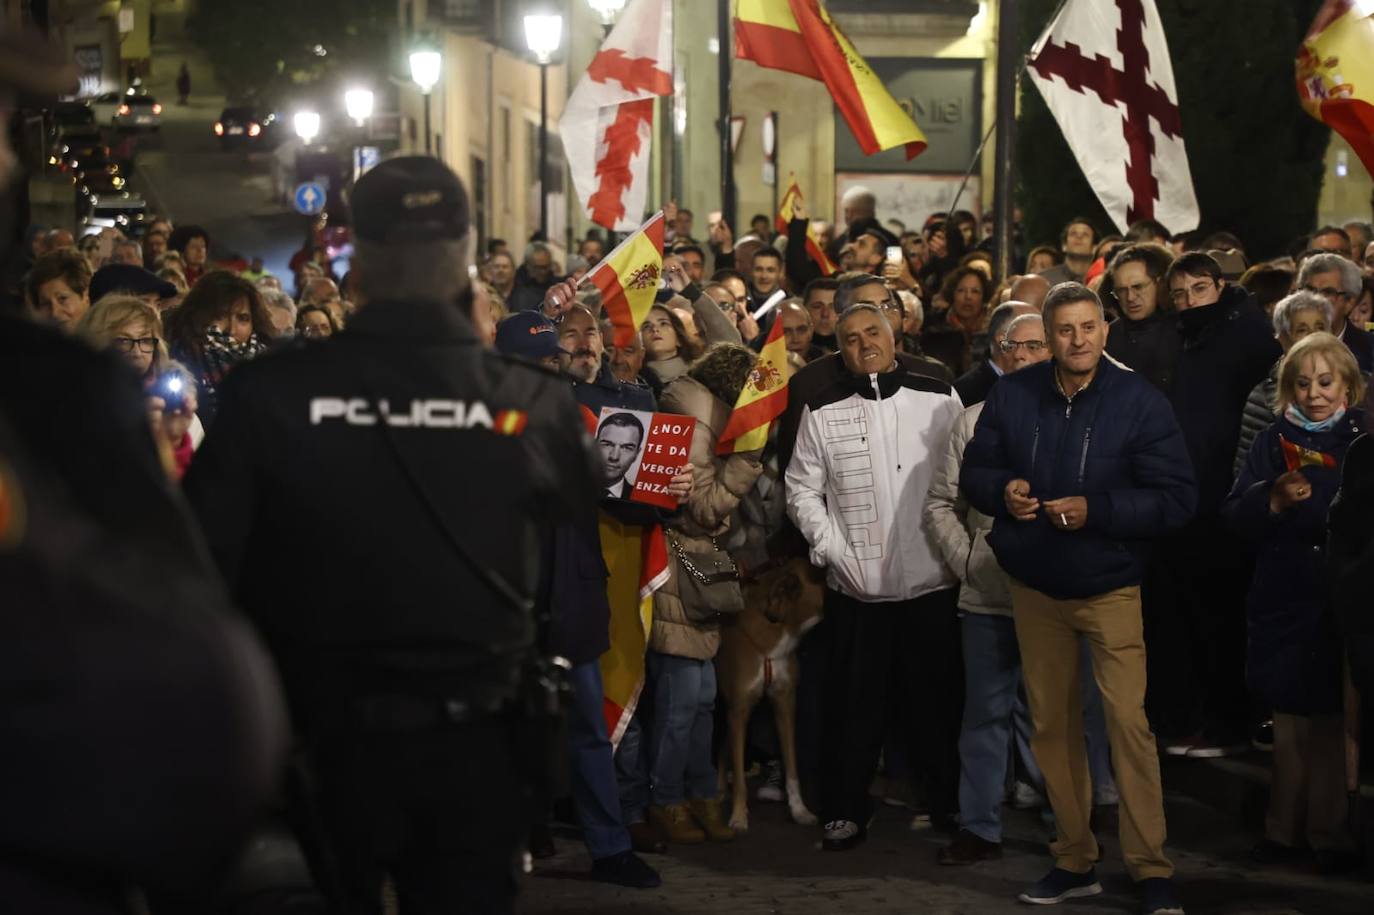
point(543, 35)
point(607, 10)
point(307, 124)
point(358, 103)
point(424, 70)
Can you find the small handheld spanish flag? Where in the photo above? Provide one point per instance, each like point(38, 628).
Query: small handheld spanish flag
point(1296, 457)
point(628, 278)
point(814, 249)
point(762, 400)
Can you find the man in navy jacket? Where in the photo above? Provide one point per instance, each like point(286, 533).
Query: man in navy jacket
point(1081, 464)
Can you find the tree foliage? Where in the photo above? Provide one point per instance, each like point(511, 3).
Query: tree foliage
point(269, 49)
point(1255, 155)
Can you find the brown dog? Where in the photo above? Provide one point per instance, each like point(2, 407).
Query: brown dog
point(757, 656)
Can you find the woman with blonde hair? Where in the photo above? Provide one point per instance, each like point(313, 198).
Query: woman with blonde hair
point(132, 328)
point(1294, 656)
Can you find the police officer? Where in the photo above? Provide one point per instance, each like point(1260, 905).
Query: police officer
point(375, 503)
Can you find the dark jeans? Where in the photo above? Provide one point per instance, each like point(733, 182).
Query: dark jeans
point(595, 797)
point(442, 812)
point(1193, 602)
point(684, 696)
point(902, 654)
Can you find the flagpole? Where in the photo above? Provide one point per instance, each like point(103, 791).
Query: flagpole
point(1004, 178)
point(727, 165)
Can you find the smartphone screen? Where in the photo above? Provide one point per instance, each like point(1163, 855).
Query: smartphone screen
point(713, 218)
point(894, 254)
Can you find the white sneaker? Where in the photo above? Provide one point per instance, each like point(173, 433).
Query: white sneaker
point(771, 789)
point(841, 835)
point(1025, 797)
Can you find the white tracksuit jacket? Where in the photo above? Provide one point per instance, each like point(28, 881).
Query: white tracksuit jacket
point(856, 487)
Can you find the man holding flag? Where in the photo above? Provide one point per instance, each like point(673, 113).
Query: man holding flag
point(856, 489)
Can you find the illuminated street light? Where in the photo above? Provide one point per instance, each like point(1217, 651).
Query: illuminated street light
point(425, 63)
point(543, 35)
point(307, 124)
point(358, 103)
point(607, 10)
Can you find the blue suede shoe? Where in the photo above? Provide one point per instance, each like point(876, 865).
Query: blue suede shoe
point(1059, 884)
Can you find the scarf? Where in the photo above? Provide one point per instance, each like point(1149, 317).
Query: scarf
point(1298, 418)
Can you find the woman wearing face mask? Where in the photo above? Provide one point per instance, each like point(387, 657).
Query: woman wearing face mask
point(221, 322)
point(1294, 653)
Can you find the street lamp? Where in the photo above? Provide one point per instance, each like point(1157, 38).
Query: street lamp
point(307, 124)
point(358, 104)
point(607, 10)
point(543, 34)
point(424, 70)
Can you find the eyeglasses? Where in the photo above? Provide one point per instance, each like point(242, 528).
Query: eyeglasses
point(127, 344)
point(316, 330)
point(1137, 290)
point(1329, 292)
point(1197, 290)
point(1032, 346)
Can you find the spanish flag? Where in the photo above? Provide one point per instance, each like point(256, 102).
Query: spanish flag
point(800, 37)
point(1335, 72)
point(814, 250)
point(762, 400)
point(628, 278)
point(1296, 457)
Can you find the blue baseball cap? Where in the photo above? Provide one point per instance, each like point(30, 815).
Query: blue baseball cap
point(528, 335)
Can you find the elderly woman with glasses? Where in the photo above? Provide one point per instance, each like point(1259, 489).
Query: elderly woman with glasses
point(1295, 316)
point(1294, 656)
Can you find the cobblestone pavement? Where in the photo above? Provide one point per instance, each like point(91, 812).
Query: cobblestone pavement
point(777, 868)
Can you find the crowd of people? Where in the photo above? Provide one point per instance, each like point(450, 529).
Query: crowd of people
point(1111, 507)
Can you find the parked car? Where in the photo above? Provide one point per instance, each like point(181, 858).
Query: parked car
point(68, 116)
point(122, 210)
point(104, 106)
point(72, 149)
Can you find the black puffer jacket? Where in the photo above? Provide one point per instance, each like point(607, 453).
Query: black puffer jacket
point(1258, 415)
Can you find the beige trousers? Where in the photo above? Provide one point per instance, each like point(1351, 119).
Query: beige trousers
point(1048, 631)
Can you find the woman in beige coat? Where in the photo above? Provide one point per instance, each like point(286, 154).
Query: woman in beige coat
point(681, 675)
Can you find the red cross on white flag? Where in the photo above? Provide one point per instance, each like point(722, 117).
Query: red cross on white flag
point(607, 125)
point(1103, 67)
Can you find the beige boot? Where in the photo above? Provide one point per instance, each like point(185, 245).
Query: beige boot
point(675, 824)
point(707, 813)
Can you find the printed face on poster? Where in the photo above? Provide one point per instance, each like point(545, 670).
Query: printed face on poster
point(641, 452)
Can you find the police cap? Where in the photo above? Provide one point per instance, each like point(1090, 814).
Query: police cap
point(410, 199)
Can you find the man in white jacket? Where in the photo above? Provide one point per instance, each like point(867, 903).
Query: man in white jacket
point(856, 489)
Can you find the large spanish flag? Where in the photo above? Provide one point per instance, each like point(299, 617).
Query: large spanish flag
point(814, 249)
point(1335, 72)
point(762, 400)
point(800, 37)
point(628, 278)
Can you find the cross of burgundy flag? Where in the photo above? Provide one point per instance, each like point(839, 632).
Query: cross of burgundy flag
point(1103, 67)
point(608, 123)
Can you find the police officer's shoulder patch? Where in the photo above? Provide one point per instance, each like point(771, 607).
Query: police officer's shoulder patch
point(13, 510)
point(510, 422)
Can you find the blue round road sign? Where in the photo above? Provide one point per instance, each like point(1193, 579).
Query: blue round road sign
point(309, 199)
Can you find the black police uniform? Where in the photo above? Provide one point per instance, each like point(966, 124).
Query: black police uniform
point(141, 721)
point(375, 502)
